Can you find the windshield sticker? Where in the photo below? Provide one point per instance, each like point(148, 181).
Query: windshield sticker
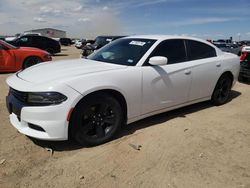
point(137, 43)
point(108, 40)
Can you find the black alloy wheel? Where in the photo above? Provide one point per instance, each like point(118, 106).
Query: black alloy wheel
point(96, 120)
point(222, 90)
point(31, 61)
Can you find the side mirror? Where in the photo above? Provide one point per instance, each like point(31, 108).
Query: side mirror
point(158, 60)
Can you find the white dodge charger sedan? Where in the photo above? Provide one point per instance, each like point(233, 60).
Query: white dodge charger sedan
point(129, 79)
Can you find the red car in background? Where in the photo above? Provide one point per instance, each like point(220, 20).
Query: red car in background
point(14, 58)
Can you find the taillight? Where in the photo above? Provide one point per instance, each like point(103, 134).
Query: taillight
point(243, 56)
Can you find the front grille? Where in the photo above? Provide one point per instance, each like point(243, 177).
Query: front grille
point(21, 96)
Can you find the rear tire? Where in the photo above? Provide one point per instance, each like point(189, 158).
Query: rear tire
point(96, 120)
point(222, 90)
point(30, 61)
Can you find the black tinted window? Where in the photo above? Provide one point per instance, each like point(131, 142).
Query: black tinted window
point(37, 40)
point(24, 40)
point(174, 50)
point(199, 50)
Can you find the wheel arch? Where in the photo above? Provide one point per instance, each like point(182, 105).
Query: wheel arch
point(229, 74)
point(217, 101)
point(225, 73)
point(25, 59)
point(112, 92)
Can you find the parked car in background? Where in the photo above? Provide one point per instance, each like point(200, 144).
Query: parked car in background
point(245, 64)
point(31, 34)
point(74, 40)
point(7, 39)
point(78, 43)
point(44, 43)
point(100, 41)
point(127, 80)
point(65, 41)
point(13, 58)
point(81, 43)
point(229, 47)
point(245, 43)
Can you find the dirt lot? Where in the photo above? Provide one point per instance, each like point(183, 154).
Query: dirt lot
point(196, 146)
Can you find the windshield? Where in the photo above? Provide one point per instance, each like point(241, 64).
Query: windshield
point(8, 45)
point(123, 51)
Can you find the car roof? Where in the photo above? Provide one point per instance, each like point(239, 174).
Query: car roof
point(110, 36)
point(164, 37)
point(167, 37)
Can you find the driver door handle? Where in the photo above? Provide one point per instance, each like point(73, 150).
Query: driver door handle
point(187, 72)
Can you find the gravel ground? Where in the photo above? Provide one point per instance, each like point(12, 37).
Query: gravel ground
point(196, 146)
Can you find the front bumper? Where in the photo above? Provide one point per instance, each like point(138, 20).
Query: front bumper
point(46, 123)
point(42, 122)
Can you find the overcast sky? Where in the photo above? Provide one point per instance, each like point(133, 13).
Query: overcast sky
point(88, 18)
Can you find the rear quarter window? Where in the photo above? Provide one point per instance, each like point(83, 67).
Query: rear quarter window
point(198, 50)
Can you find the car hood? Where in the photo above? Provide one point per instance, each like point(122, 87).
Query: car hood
point(31, 49)
point(64, 70)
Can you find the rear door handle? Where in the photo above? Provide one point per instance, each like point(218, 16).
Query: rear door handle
point(218, 65)
point(187, 72)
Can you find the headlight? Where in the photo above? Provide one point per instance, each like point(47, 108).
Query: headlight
point(46, 98)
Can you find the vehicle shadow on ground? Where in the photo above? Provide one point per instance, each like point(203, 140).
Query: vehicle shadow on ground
point(166, 116)
point(133, 127)
point(59, 55)
point(247, 82)
point(3, 73)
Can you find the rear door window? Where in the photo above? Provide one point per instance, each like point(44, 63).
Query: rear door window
point(198, 50)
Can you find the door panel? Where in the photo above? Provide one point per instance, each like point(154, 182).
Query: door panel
point(165, 86)
point(168, 85)
point(1, 57)
point(206, 68)
point(7, 61)
point(205, 75)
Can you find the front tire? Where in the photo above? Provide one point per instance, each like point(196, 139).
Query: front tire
point(222, 90)
point(96, 119)
point(30, 61)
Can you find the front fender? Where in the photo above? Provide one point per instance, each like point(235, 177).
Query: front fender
point(126, 82)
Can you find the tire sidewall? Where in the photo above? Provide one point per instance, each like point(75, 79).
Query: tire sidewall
point(27, 61)
point(76, 120)
point(214, 99)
